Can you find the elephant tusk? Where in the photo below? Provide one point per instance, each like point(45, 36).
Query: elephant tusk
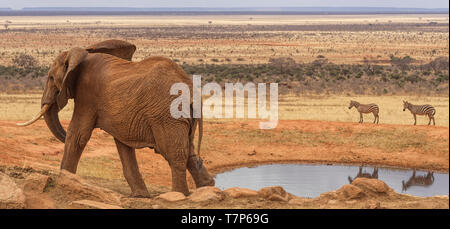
point(37, 117)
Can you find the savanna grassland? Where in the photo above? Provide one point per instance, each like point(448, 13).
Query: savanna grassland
point(316, 54)
point(320, 62)
point(290, 107)
point(246, 39)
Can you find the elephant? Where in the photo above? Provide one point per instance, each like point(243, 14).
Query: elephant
point(130, 101)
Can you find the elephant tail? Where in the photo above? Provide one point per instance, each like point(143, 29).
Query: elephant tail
point(199, 122)
point(200, 134)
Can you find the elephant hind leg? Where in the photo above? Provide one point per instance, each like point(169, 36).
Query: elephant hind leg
point(199, 172)
point(195, 165)
point(131, 170)
point(179, 183)
point(172, 141)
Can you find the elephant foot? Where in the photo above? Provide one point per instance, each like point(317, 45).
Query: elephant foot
point(208, 182)
point(140, 194)
point(199, 172)
point(183, 190)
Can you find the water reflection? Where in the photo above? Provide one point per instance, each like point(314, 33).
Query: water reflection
point(373, 175)
point(414, 180)
point(312, 180)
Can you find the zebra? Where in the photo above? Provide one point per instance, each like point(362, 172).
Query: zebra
point(425, 180)
point(373, 175)
point(365, 108)
point(420, 110)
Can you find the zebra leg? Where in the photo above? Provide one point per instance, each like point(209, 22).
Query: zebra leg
point(415, 119)
point(375, 116)
point(429, 121)
point(434, 123)
point(361, 118)
point(378, 118)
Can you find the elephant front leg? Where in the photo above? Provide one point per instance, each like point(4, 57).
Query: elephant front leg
point(131, 170)
point(199, 172)
point(78, 134)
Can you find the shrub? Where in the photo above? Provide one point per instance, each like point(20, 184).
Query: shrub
point(25, 61)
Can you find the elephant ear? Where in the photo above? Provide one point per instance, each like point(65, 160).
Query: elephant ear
point(73, 59)
point(118, 48)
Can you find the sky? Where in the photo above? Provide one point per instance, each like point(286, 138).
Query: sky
point(18, 4)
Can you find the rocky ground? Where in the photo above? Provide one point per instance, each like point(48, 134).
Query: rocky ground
point(29, 188)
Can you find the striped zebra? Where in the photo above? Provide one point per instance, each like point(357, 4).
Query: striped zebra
point(365, 108)
point(420, 110)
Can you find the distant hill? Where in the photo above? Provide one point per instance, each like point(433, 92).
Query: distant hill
point(196, 10)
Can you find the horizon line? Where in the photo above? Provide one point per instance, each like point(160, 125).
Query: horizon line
point(225, 8)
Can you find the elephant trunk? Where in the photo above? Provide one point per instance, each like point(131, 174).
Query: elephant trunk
point(53, 123)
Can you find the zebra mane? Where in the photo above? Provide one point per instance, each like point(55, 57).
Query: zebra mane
point(356, 104)
point(408, 104)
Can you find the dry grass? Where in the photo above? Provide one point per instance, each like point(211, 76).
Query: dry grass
point(335, 108)
point(387, 140)
point(325, 108)
point(100, 167)
point(235, 38)
point(25, 106)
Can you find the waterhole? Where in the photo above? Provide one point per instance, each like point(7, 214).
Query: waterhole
point(312, 180)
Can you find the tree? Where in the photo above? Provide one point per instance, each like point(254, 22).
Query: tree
point(402, 63)
point(439, 64)
point(283, 63)
point(370, 69)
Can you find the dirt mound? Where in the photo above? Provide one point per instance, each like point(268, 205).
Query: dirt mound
point(207, 194)
point(89, 204)
point(240, 192)
point(275, 193)
point(75, 188)
point(172, 196)
point(361, 189)
point(10, 195)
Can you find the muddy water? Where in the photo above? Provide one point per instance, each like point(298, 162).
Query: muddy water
point(312, 180)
